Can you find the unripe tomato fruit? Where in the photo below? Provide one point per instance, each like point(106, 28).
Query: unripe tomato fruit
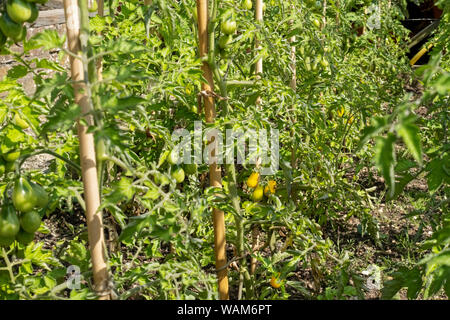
point(178, 175)
point(11, 156)
point(18, 10)
point(10, 28)
point(228, 27)
point(6, 241)
point(190, 168)
point(30, 221)
point(9, 222)
point(100, 151)
point(247, 4)
point(22, 36)
point(316, 22)
point(173, 157)
point(258, 194)
point(18, 121)
point(224, 41)
point(23, 196)
point(24, 237)
point(41, 195)
point(252, 181)
point(34, 13)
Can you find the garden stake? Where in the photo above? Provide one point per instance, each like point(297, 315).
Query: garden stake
point(76, 29)
point(258, 72)
point(214, 170)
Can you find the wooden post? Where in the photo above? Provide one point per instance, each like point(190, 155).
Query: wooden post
point(214, 171)
point(258, 72)
point(87, 153)
point(101, 8)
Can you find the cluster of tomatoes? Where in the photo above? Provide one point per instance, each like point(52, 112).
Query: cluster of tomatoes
point(20, 219)
point(177, 172)
point(14, 13)
point(259, 191)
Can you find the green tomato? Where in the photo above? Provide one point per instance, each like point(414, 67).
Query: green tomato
point(100, 150)
point(178, 174)
point(24, 237)
point(34, 13)
point(228, 27)
point(23, 196)
point(23, 35)
point(18, 121)
point(18, 10)
point(324, 62)
point(30, 221)
point(224, 41)
point(6, 241)
point(247, 4)
point(190, 168)
point(9, 222)
point(10, 28)
point(316, 22)
point(11, 156)
point(41, 195)
point(173, 157)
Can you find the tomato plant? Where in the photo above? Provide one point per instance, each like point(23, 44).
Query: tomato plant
point(353, 139)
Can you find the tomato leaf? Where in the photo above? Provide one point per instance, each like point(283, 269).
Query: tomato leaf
point(385, 160)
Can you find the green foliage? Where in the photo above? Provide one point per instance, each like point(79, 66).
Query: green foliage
point(347, 111)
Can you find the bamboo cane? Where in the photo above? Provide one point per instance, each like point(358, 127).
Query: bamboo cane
point(214, 171)
point(258, 72)
point(87, 151)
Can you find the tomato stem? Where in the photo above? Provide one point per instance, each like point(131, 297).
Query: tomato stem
point(24, 157)
point(9, 266)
